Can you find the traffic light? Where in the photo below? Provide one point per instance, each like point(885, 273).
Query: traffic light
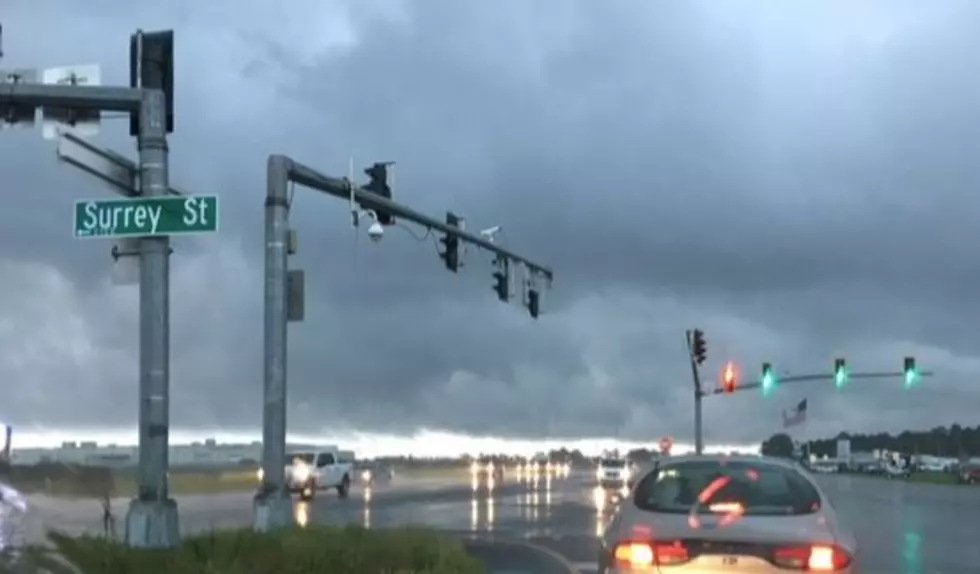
point(378, 185)
point(700, 347)
point(911, 372)
point(533, 302)
point(768, 379)
point(151, 66)
point(729, 378)
point(450, 253)
point(840, 373)
point(502, 278)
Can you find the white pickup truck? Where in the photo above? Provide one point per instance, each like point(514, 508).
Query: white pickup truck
point(323, 468)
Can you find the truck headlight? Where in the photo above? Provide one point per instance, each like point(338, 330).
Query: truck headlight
point(301, 473)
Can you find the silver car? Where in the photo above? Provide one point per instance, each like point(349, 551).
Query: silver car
point(720, 514)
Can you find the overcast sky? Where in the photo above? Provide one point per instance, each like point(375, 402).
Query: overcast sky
point(797, 179)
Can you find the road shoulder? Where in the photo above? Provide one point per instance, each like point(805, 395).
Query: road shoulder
point(518, 556)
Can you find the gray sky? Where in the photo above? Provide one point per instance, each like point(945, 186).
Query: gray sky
point(796, 179)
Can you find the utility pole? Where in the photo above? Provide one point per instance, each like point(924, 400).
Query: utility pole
point(152, 520)
point(697, 353)
point(284, 295)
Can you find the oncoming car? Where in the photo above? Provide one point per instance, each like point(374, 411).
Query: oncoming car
point(614, 473)
point(487, 469)
point(719, 514)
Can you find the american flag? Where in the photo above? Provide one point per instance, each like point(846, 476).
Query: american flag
point(796, 417)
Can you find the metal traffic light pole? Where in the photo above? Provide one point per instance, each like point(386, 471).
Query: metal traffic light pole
point(283, 293)
point(815, 377)
point(700, 393)
point(152, 517)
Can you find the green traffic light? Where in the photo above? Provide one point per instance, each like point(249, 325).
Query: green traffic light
point(911, 377)
point(768, 380)
point(911, 372)
point(841, 374)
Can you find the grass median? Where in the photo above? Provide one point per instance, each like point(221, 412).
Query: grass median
point(312, 550)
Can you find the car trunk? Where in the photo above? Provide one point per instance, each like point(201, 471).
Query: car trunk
point(745, 543)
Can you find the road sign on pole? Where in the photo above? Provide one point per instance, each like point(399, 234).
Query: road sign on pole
point(146, 216)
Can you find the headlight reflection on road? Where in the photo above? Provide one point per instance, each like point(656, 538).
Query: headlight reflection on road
point(599, 499)
point(301, 514)
point(487, 524)
point(367, 507)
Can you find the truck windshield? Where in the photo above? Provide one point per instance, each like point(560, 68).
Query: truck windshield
point(306, 457)
point(613, 463)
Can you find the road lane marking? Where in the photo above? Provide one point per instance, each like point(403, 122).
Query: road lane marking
point(552, 554)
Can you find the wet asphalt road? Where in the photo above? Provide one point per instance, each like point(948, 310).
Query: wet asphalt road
point(552, 527)
point(901, 528)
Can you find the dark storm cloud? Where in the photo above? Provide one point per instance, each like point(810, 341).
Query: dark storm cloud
point(794, 179)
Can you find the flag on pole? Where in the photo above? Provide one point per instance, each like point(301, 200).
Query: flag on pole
point(796, 417)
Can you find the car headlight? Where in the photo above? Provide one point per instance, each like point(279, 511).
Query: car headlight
point(260, 474)
point(598, 473)
point(366, 475)
point(475, 468)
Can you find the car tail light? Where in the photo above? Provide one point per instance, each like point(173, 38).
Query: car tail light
point(818, 558)
point(637, 554)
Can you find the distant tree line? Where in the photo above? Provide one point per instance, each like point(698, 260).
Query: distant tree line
point(954, 441)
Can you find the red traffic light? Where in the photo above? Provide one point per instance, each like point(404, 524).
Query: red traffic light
point(729, 377)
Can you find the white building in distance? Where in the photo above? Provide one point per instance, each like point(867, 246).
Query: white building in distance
point(197, 454)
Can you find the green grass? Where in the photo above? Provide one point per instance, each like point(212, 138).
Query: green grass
point(935, 477)
point(313, 550)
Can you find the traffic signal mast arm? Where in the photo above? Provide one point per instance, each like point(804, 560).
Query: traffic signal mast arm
point(809, 378)
point(341, 188)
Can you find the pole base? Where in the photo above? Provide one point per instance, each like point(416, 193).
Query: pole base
point(152, 524)
point(272, 511)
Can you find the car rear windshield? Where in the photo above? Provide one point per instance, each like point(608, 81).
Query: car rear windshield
point(757, 488)
point(613, 463)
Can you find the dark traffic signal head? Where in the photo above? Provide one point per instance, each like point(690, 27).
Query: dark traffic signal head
point(151, 66)
point(911, 372)
point(450, 252)
point(501, 278)
point(840, 373)
point(700, 347)
point(378, 185)
point(533, 302)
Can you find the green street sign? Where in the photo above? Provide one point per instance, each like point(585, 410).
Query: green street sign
point(146, 216)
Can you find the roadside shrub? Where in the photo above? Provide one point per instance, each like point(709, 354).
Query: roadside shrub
point(310, 550)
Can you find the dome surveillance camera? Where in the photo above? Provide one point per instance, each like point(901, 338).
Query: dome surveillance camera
point(376, 232)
